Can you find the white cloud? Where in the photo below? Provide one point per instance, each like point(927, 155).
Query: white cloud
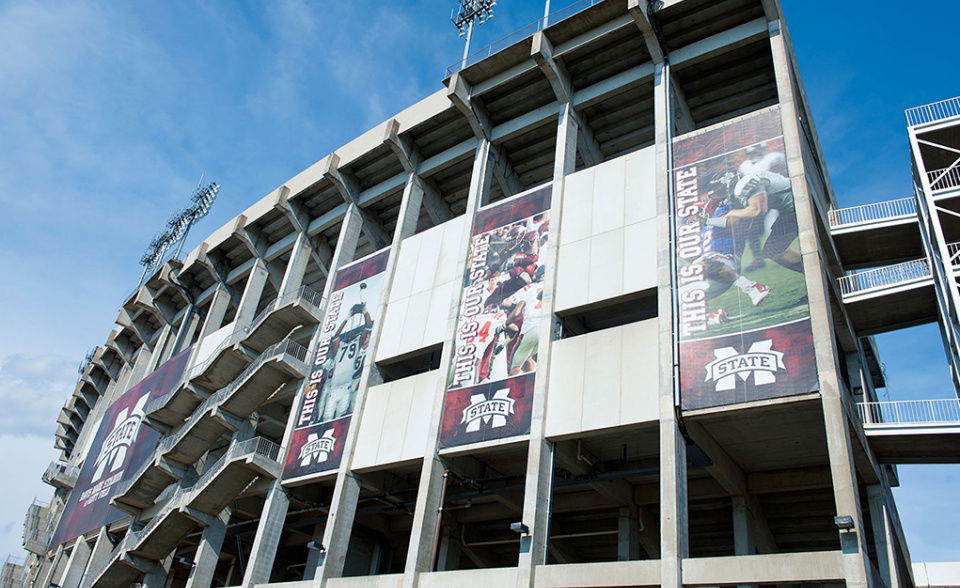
point(32, 391)
point(24, 458)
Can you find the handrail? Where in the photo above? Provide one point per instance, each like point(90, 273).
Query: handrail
point(875, 211)
point(57, 467)
point(912, 412)
point(882, 277)
point(230, 341)
point(535, 26)
point(287, 346)
point(944, 179)
point(936, 111)
point(304, 293)
point(257, 445)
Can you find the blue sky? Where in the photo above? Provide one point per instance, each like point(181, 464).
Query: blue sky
point(110, 112)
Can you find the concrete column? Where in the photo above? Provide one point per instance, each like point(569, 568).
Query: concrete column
point(743, 543)
point(208, 552)
point(842, 468)
point(160, 348)
point(265, 544)
point(219, 305)
point(448, 552)
point(76, 565)
point(628, 535)
point(538, 489)
point(346, 249)
point(185, 333)
point(425, 515)
point(297, 266)
point(102, 549)
point(257, 279)
point(313, 555)
point(883, 537)
point(48, 574)
point(157, 577)
point(673, 455)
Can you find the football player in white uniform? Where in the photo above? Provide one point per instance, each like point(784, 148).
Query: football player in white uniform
point(348, 351)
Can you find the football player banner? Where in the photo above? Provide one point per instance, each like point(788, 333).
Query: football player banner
point(743, 314)
point(327, 401)
point(121, 446)
point(490, 388)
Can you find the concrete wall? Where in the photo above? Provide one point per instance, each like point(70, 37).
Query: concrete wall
point(604, 379)
point(396, 420)
point(608, 233)
point(422, 290)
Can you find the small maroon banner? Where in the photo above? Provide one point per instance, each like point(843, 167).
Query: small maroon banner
point(327, 402)
point(498, 329)
point(121, 446)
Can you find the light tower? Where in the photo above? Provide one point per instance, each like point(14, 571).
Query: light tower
point(471, 11)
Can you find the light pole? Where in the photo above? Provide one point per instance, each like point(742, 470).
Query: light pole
point(470, 12)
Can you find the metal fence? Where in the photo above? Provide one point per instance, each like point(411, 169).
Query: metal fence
point(877, 211)
point(884, 277)
point(910, 412)
point(57, 468)
point(292, 348)
point(521, 34)
point(304, 294)
point(944, 179)
point(933, 112)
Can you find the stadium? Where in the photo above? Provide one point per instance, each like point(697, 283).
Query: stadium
point(588, 316)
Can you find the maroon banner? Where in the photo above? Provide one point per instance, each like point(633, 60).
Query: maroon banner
point(327, 402)
point(743, 319)
point(121, 446)
point(498, 330)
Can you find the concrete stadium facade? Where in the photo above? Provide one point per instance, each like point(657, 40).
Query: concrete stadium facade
point(565, 150)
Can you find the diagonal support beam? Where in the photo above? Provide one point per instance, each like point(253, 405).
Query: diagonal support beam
point(458, 91)
point(542, 52)
point(411, 158)
point(258, 243)
point(350, 190)
point(731, 477)
point(299, 217)
point(638, 10)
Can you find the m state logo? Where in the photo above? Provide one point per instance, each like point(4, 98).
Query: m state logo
point(317, 448)
point(124, 433)
point(760, 360)
point(493, 411)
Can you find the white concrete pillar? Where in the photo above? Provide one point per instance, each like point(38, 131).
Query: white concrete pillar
point(219, 304)
point(296, 266)
point(840, 452)
point(157, 577)
point(674, 544)
point(101, 551)
point(628, 534)
point(743, 542)
point(73, 573)
point(161, 348)
point(448, 553)
point(883, 537)
point(208, 552)
point(313, 555)
point(538, 488)
point(256, 281)
point(425, 515)
point(51, 569)
point(265, 544)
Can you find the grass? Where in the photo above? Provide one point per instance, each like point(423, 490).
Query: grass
point(783, 305)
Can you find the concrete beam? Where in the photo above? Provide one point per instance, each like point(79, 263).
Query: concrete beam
point(638, 11)
point(350, 191)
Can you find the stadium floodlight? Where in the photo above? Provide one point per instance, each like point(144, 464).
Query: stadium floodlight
point(178, 226)
point(470, 12)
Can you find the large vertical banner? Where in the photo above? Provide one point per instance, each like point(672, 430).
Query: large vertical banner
point(327, 402)
point(121, 446)
point(490, 391)
point(744, 318)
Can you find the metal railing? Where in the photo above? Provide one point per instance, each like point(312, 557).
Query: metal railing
point(933, 112)
point(303, 294)
point(884, 277)
point(57, 468)
point(944, 179)
point(182, 496)
point(523, 33)
point(230, 341)
point(876, 211)
point(910, 412)
point(287, 346)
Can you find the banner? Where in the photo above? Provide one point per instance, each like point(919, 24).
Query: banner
point(490, 389)
point(744, 317)
point(327, 402)
point(122, 445)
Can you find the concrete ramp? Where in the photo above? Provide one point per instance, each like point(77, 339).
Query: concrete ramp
point(913, 431)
